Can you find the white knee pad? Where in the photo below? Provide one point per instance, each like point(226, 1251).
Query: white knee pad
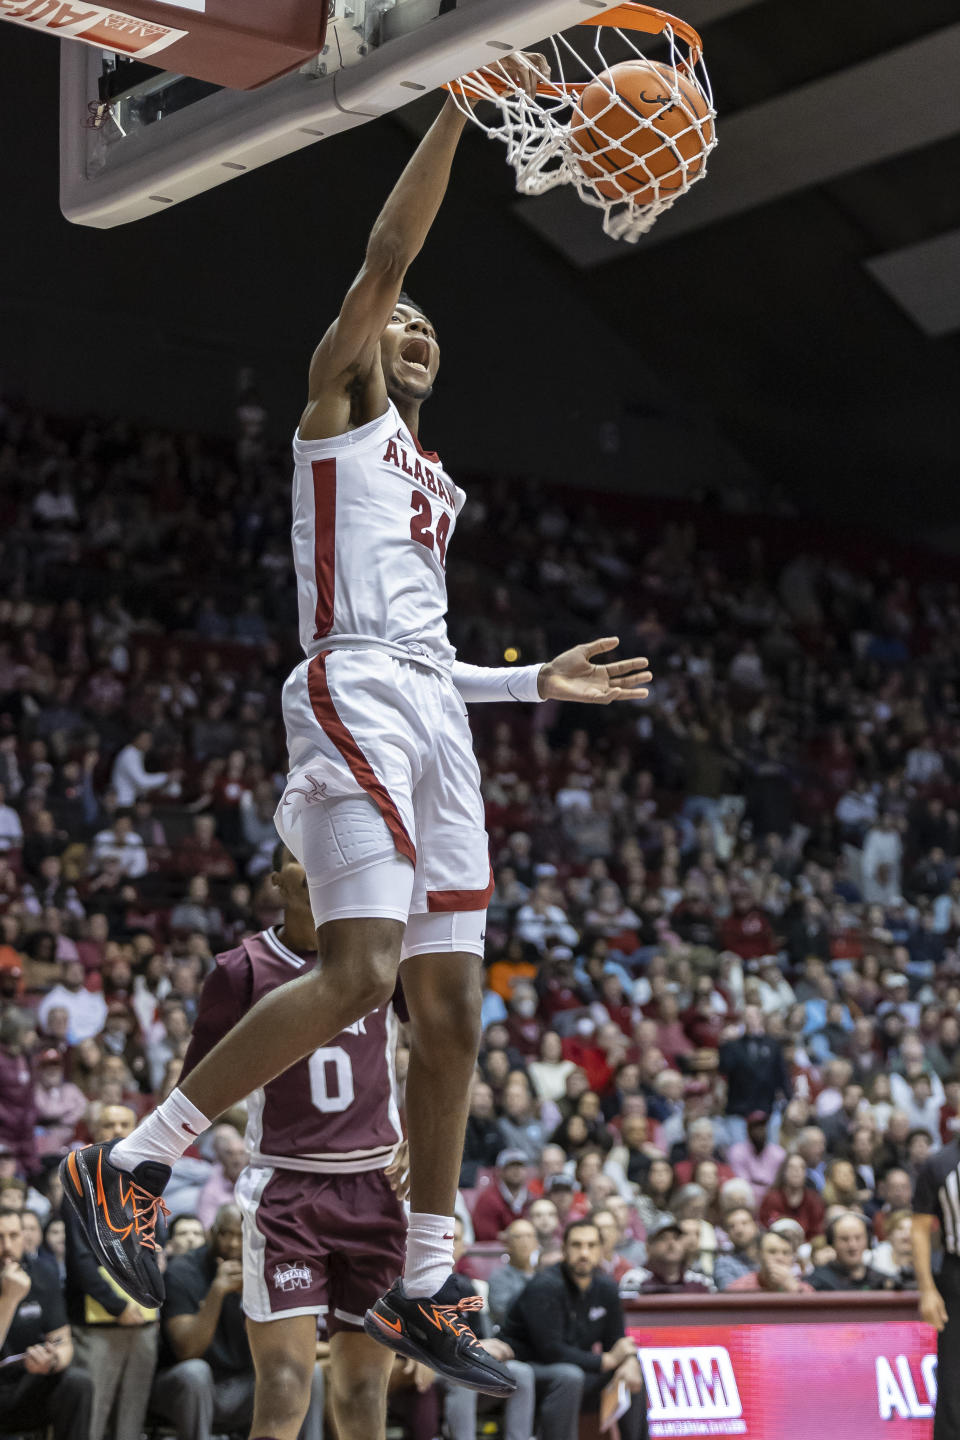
point(445, 933)
point(340, 835)
point(381, 890)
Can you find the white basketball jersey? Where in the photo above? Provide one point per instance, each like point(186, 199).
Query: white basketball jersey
point(373, 515)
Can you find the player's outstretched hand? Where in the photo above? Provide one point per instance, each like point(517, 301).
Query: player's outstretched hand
point(574, 676)
point(398, 1171)
point(523, 69)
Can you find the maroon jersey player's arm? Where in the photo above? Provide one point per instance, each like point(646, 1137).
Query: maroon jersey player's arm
point(224, 1000)
point(346, 384)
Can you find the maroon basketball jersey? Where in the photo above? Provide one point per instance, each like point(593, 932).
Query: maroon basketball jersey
point(332, 1112)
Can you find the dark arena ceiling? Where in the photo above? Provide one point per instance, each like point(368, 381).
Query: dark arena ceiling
point(793, 321)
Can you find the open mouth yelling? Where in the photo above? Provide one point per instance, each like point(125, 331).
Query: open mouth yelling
point(416, 354)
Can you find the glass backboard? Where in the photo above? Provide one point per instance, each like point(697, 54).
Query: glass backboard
point(135, 140)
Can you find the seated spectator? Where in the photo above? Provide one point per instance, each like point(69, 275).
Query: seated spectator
point(664, 1271)
point(542, 918)
point(775, 1273)
point(567, 1324)
point(11, 976)
point(706, 1174)
point(54, 1246)
point(654, 1199)
point(567, 1200)
point(863, 1155)
point(202, 853)
point(16, 1090)
point(482, 1143)
point(700, 1251)
point(919, 1148)
point(791, 1197)
point(230, 1156)
point(630, 1246)
point(185, 1233)
point(505, 1199)
point(508, 1280)
point(611, 1238)
point(44, 1387)
point(120, 842)
point(548, 1074)
point(206, 1381)
point(736, 1194)
point(86, 1009)
point(60, 1106)
point(838, 1128)
point(757, 1158)
point(840, 1185)
point(744, 1259)
point(599, 1137)
point(545, 1220)
point(894, 1256)
point(11, 826)
point(632, 1158)
point(850, 1269)
point(553, 1161)
point(894, 1192)
point(115, 1338)
point(923, 1103)
point(33, 1243)
point(120, 1038)
point(812, 1147)
point(168, 1040)
point(194, 913)
point(519, 1127)
point(700, 1145)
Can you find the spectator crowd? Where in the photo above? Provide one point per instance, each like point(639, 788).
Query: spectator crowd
point(722, 979)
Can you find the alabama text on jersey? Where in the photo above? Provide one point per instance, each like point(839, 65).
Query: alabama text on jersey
point(373, 517)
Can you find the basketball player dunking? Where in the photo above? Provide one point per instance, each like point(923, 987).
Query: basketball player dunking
point(383, 805)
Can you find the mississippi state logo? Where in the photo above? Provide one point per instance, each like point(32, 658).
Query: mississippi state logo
point(293, 1277)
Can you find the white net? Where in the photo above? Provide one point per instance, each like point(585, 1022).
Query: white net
point(629, 132)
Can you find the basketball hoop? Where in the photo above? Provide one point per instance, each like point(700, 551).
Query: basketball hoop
point(631, 134)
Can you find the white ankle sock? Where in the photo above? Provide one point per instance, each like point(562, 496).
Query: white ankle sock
point(163, 1135)
point(429, 1253)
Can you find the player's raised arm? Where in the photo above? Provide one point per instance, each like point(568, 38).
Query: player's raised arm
point(347, 352)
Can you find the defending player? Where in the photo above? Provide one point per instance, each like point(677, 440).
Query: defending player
point(323, 1230)
point(383, 802)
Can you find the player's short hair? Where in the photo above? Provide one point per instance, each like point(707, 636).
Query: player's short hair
point(281, 854)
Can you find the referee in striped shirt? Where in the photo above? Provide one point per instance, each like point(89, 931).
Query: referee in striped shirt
point(937, 1197)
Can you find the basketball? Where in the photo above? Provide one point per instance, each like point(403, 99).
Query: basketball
point(630, 124)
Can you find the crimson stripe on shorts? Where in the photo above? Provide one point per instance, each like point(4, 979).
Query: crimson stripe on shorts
point(360, 768)
point(324, 541)
point(440, 901)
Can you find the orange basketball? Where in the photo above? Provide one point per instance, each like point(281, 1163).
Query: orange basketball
point(629, 124)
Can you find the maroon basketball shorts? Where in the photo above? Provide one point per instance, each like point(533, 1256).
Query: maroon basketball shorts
point(318, 1244)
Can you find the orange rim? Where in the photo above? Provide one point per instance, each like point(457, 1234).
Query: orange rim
point(642, 19)
point(648, 21)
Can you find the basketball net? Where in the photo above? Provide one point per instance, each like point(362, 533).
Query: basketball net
point(658, 159)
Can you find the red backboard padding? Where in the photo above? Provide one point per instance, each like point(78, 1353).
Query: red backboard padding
point(236, 43)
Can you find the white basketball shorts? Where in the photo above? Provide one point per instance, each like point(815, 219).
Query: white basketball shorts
point(382, 804)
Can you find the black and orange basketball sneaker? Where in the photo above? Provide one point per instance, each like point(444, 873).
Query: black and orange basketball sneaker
point(118, 1212)
point(432, 1330)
